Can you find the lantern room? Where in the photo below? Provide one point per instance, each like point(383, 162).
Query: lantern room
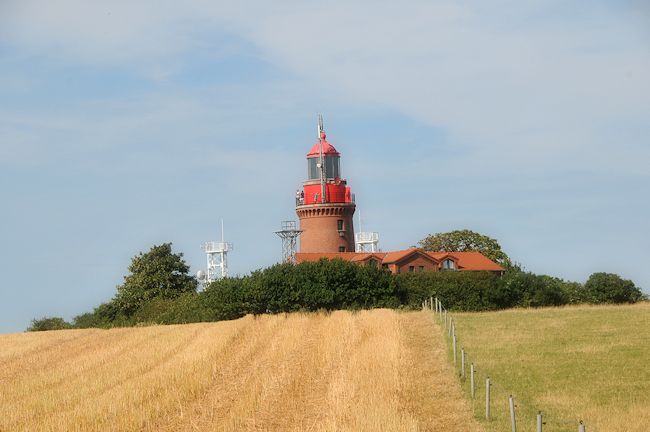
point(331, 160)
point(324, 184)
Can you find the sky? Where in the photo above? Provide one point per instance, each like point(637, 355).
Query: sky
point(128, 124)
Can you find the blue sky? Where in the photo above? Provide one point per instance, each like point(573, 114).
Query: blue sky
point(136, 123)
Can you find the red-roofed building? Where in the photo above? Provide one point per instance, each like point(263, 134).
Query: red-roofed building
point(411, 260)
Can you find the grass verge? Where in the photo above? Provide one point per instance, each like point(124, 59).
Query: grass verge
point(571, 363)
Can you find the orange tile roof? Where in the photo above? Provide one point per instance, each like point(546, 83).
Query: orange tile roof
point(395, 256)
point(470, 260)
point(465, 260)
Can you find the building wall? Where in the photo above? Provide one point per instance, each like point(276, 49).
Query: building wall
point(319, 225)
point(416, 261)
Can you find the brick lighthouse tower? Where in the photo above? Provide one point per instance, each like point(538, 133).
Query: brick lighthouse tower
point(325, 206)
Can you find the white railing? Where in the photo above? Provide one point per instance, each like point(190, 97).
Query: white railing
point(216, 247)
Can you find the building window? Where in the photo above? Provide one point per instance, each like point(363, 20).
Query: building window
point(341, 248)
point(448, 264)
point(339, 224)
point(411, 268)
point(421, 268)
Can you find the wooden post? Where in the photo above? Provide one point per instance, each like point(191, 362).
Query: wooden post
point(471, 380)
point(487, 398)
point(431, 303)
point(440, 310)
point(453, 340)
point(462, 362)
point(436, 304)
point(513, 420)
point(581, 427)
point(539, 421)
point(445, 319)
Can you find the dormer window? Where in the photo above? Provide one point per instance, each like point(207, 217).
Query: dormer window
point(448, 264)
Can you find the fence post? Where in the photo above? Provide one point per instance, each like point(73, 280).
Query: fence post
point(453, 340)
point(487, 398)
point(539, 421)
point(440, 311)
point(513, 420)
point(445, 319)
point(581, 427)
point(471, 379)
point(451, 323)
point(431, 303)
point(462, 362)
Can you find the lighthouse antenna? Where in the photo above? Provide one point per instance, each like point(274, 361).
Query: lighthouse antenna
point(360, 221)
point(321, 159)
point(320, 125)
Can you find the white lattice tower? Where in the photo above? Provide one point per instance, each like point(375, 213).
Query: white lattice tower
point(217, 254)
point(289, 235)
point(367, 241)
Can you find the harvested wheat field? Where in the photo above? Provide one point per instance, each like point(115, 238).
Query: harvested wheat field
point(375, 370)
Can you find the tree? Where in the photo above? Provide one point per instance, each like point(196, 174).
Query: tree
point(611, 288)
point(466, 241)
point(157, 274)
point(49, 323)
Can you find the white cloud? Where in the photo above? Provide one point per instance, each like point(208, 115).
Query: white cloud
point(532, 85)
point(523, 91)
point(103, 32)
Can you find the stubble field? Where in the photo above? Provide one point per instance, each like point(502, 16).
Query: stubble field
point(375, 370)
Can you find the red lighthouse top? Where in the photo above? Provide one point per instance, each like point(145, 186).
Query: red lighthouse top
point(324, 184)
point(328, 149)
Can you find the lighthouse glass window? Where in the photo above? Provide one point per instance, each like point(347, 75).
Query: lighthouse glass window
point(332, 167)
point(313, 173)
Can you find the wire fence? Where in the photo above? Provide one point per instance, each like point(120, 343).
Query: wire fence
point(490, 399)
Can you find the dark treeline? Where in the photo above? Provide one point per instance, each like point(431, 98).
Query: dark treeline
point(337, 284)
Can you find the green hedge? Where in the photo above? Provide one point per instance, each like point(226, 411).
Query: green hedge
point(338, 284)
point(49, 323)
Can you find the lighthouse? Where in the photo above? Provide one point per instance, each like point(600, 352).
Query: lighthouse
point(325, 206)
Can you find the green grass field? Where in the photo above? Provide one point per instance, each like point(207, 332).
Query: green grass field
point(572, 363)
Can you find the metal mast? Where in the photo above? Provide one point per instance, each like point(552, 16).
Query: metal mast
point(321, 161)
point(289, 235)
